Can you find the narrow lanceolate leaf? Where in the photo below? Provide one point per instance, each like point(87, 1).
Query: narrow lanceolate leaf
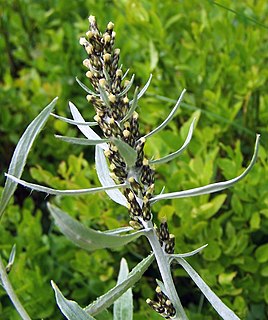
point(111, 296)
point(69, 308)
point(21, 152)
point(178, 152)
point(83, 86)
point(210, 188)
point(187, 254)
point(217, 304)
point(123, 306)
point(103, 173)
point(125, 74)
point(119, 230)
point(76, 123)
point(81, 141)
point(133, 106)
point(47, 190)
point(128, 86)
point(4, 281)
point(87, 132)
point(144, 89)
point(11, 259)
point(168, 119)
point(87, 238)
point(104, 96)
point(125, 150)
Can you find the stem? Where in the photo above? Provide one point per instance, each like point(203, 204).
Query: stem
point(164, 268)
point(11, 293)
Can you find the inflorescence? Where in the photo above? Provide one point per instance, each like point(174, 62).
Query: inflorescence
point(112, 106)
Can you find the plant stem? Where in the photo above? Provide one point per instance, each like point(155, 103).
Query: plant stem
point(11, 293)
point(164, 269)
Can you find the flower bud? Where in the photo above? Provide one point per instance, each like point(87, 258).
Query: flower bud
point(110, 25)
point(83, 41)
point(92, 19)
point(86, 63)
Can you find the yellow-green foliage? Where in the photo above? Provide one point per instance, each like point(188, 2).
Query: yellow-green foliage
point(218, 52)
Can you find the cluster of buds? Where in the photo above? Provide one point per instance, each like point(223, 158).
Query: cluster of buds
point(117, 120)
point(166, 239)
point(111, 103)
point(163, 305)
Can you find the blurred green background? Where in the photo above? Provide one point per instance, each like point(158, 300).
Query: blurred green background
point(218, 51)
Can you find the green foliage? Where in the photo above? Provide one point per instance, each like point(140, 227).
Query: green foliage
point(220, 57)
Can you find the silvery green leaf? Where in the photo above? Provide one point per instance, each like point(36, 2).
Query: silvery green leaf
point(83, 86)
point(76, 123)
point(178, 152)
point(5, 283)
point(187, 254)
point(87, 132)
point(210, 188)
point(106, 75)
point(119, 230)
point(87, 238)
point(103, 173)
point(21, 152)
point(125, 74)
point(109, 298)
point(81, 141)
point(128, 86)
point(11, 259)
point(47, 190)
point(143, 90)
point(162, 286)
point(69, 308)
point(133, 106)
point(126, 151)
point(217, 304)
point(104, 96)
point(123, 306)
point(168, 119)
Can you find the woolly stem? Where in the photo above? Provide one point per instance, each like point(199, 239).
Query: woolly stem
point(164, 269)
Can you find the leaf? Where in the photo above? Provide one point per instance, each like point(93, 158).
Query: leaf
point(4, 281)
point(125, 74)
point(210, 188)
point(104, 96)
point(105, 179)
point(47, 190)
point(187, 254)
point(178, 152)
point(69, 308)
point(11, 259)
point(21, 153)
point(81, 141)
point(109, 298)
point(128, 86)
point(119, 230)
point(76, 123)
point(133, 104)
point(87, 238)
point(123, 306)
point(143, 90)
point(87, 132)
point(217, 304)
point(83, 86)
point(261, 253)
point(154, 57)
point(168, 119)
point(126, 151)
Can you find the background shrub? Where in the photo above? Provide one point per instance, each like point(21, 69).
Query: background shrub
point(218, 51)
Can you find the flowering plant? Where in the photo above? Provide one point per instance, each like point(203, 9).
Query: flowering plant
point(127, 176)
